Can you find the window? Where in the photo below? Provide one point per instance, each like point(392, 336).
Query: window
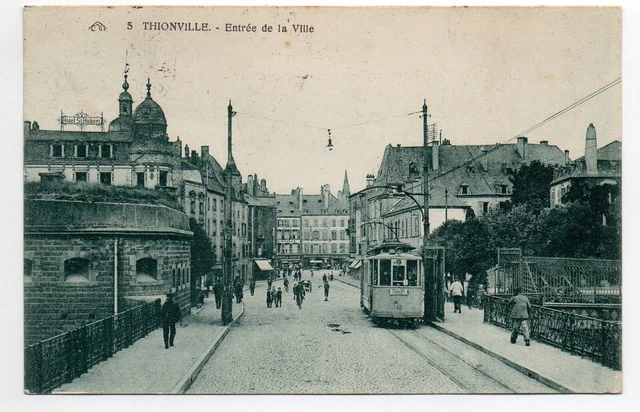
point(105, 178)
point(325, 222)
point(192, 198)
point(385, 273)
point(28, 270)
point(315, 222)
point(334, 248)
point(485, 207)
point(140, 179)
point(81, 151)
point(146, 270)
point(105, 150)
point(334, 235)
point(57, 150)
point(464, 189)
point(325, 235)
point(81, 176)
point(76, 270)
point(333, 222)
point(412, 273)
point(295, 223)
point(398, 275)
point(215, 204)
point(163, 178)
point(315, 235)
point(343, 248)
point(342, 223)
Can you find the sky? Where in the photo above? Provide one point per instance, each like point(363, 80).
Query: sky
point(487, 75)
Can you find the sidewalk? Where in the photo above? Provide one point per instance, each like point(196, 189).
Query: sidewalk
point(147, 367)
point(558, 369)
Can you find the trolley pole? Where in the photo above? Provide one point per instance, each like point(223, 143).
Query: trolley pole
point(227, 273)
point(429, 286)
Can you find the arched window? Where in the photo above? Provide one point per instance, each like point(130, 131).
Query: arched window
point(76, 270)
point(146, 270)
point(28, 270)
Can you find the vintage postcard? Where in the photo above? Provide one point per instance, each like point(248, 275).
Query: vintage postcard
point(322, 200)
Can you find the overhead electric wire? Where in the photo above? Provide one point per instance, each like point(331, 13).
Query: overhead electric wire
point(545, 121)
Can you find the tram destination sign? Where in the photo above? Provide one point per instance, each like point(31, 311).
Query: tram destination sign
point(398, 292)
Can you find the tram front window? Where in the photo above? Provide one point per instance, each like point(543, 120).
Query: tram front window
point(398, 276)
point(412, 273)
point(385, 273)
point(374, 268)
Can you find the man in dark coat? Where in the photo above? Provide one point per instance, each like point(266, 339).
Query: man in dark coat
point(217, 292)
point(170, 314)
point(520, 313)
point(326, 291)
point(252, 285)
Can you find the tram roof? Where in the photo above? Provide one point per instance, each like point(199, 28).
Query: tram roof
point(389, 256)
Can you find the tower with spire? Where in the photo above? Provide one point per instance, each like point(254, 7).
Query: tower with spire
point(346, 192)
point(124, 121)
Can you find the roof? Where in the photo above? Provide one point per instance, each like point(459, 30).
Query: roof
point(81, 136)
point(606, 156)
point(462, 165)
point(260, 201)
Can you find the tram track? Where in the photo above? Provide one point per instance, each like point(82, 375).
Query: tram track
point(470, 376)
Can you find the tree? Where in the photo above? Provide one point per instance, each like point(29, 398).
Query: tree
point(467, 247)
point(202, 257)
point(531, 186)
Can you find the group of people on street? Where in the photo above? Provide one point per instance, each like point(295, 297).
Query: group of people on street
point(299, 294)
point(274, 297)
point(474, 293)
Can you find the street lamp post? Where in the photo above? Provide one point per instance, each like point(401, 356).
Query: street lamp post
point(227, 272)
point(429, 287)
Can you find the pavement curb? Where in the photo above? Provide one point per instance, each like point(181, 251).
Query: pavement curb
point(529, 372)
point(184, 383)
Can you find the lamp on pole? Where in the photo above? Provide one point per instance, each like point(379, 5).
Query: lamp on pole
point(227, 272)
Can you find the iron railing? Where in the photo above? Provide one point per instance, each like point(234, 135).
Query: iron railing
point(593, 338)
point(562, 280)
point(60, 359)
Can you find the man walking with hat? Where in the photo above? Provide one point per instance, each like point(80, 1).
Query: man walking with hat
point(170, 314)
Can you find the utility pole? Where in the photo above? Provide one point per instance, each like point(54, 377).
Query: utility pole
point(227, 272)
point(429, 286)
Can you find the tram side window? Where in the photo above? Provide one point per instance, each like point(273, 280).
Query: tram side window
point(412, 273)
point(398, 276)
point(385, 273)
point(374, 268)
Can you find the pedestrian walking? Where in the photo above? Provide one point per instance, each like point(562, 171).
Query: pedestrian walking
point(520, 313)
point(269, 283)
point(481, 293)
point(299, 293)
point(324, 278)
point(170, 314)
point(471, 294)
point(217, 293)
point(252, 286)
point(238, 291)
point(279, 298)
point(326, 291)
point(269, 298)
point(457, 291)
point(286, 284)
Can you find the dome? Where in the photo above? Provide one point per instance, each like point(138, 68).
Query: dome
point(149, 112)
point(121, 124)
point(125, 96)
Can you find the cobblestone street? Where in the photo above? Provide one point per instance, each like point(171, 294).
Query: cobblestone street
point(288, 350)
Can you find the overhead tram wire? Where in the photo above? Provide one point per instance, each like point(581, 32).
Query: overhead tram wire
point(545, 121)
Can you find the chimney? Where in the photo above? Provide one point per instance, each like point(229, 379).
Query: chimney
point(194, 155)
point(263, 186)
point(522, 147)
point(186, 151)
point(179, 145)
point(249, 184)
point(27, 128)
point(326, 193)
point(370, 180)
point(544, 143)
point(591, 151)
point(399, 145)
point(204, 151)
point(300, 196)
point(435, 155)
point(485, 159)
point(566, 157)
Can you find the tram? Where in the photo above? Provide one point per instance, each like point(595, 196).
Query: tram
point(392, 285)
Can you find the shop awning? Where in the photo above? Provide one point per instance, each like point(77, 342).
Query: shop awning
point(355, 264)
point(315, 261)
point(263, 264)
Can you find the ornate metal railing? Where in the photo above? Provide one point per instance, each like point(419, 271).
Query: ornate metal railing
point(564, 280)
point(594, 338)
point(58, 360)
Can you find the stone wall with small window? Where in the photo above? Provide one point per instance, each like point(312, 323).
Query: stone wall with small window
point(69, 269)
